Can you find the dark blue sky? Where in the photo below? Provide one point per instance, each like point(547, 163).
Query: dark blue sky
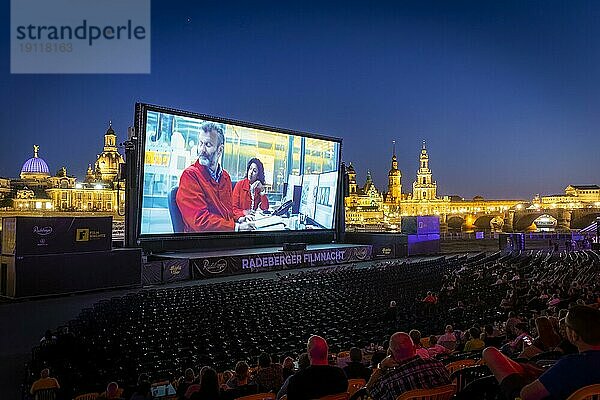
point(506, 93)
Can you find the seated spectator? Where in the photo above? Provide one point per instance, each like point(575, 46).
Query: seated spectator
point(227, 375)
point(209, 386)
point(391, 314)
point(490, 337)
point(499, 281)
point(355, 368)
point(303, 363)
point(436, 349)
point(522, 340)
point(562, 313)
point(239, 384)
point(546, 340)
point(554, 301)
point(188, 379)
point(376, 358)
point(510, 325)
point(288, 367)
point(448, 339)
point(430, 298)
point(564, 346)
point(570, 373)
point(474, 343)
point(319, 379)
point(142, 392)
point(195, 386)
point(45, 382)
point(507, 303)
point(415, 335)
point(269, 376)
point(404, 370)
point(429, 302)
point(240, 377)
point(112, 392)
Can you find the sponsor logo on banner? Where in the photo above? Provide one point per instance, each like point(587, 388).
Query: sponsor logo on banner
point(82, 235)
point(215, 268)
point(86, 234)
point(361, 253)
point(175, 269)
point(42, 231)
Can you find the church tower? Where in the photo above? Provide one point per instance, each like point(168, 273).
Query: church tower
point(424, 188)
point(394, 193)
point(368, 182)
point(108, 161)
point(352, 186)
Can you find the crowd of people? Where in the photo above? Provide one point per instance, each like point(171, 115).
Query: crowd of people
point(503, 303)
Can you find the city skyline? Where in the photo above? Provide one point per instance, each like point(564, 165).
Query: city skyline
point(502, 93)
point(407, 179)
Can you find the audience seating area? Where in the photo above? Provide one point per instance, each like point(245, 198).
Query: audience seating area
point(161, 332)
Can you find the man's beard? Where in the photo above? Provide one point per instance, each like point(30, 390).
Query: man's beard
point(206, 160)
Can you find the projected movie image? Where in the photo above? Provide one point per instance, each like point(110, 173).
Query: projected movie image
point(204, 176)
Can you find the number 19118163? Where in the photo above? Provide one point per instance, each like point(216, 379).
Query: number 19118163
point(46, 47)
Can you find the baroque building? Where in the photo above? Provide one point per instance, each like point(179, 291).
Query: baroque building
point(364, 204)
point(394, 192)
point(369, 210)
point(424, 188)
point(36, 190)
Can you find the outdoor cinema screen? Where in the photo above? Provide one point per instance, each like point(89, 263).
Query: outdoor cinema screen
point(204, 174)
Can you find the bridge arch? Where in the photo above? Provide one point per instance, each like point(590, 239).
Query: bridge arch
point(584, 220)
point(525, 221)
point(455, 223)
point(489, 221)
point(484, 221)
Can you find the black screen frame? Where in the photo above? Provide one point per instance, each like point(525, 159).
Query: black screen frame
point(210, 240)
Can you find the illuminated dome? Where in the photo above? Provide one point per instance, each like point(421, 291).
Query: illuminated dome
point(35, 167)
point(108, 161)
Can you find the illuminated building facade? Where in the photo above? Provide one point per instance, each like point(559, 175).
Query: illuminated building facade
point(424, 188)
point(37, 191)
point(394, 192)
point(368, 210)
point(364, 205)
point(576, 196)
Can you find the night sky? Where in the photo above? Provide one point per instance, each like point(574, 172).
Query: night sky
point(506, 93)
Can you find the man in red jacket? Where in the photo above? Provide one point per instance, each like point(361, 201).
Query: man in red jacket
point(204, 196)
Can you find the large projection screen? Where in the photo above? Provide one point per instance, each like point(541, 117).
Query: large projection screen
point(199, 177)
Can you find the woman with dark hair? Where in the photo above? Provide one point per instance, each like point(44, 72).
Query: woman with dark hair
point(209, 386)
point(249, 194)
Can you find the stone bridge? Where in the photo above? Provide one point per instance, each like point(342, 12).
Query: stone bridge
point(566, 220)
point(515, 220)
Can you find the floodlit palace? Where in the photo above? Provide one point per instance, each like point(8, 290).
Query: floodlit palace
point(369, 209)
point(37, 192)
